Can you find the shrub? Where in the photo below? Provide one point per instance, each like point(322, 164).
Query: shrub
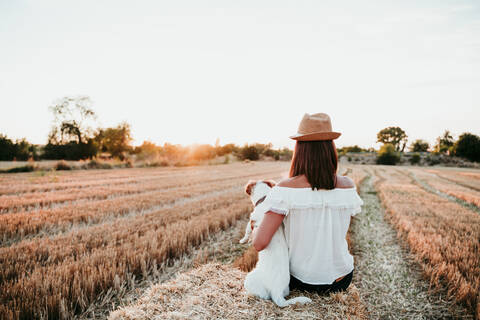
point(95, 164)
point(286, 154)
point(129, 163)
point(388, 155)
point(433, 160)
point(419, 146)
point(355, 149)
point(26, 168)
point(182, 163)
point(161, 163)
point(444, 143)
point(202, 152)
point(226, 149)
point(62, 165)
point(415, 159)
point(250, 153)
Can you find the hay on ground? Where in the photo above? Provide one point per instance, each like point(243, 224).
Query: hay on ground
point(215, 291)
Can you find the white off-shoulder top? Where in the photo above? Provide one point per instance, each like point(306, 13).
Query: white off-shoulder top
point(316, 226)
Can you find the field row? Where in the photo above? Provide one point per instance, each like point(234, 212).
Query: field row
point(28, 183)
point(443, 235)
point(40, 200)
point(58, 181)
point(15, 226)
point(466, 194)
point(467, 179)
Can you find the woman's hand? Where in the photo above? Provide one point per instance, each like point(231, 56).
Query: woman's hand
point(264, 233)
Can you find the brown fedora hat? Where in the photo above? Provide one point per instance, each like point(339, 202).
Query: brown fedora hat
point(315, 127)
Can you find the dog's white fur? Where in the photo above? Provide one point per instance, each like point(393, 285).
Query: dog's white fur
point(271, 276)
point(256, 191)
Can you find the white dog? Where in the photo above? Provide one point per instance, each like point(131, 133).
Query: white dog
point(257, 195)
point(271, 276)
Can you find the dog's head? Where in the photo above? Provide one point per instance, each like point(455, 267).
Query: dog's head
point(258, 189)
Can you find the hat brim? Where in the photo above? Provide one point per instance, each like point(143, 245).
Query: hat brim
point(316, 136)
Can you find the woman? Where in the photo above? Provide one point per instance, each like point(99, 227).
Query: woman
point(315, 205)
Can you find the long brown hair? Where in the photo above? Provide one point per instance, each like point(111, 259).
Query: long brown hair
point(318, 161)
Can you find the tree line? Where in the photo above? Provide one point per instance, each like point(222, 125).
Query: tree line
point(73, 136)
point(394, 140)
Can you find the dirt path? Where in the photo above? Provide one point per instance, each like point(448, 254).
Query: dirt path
point(389, 281)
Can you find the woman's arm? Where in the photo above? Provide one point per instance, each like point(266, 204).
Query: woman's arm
point(266, 230)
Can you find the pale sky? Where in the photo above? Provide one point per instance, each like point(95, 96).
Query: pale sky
point(243, 71)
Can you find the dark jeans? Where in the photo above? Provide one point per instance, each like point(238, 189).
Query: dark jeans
point(341, 285)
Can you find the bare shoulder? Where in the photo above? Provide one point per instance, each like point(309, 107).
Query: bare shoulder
point(294, 182)
point(287, 182)
point(344, 182)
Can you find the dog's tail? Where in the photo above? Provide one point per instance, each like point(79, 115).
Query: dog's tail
point(281, 302)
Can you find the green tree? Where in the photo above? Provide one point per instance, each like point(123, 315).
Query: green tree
point(24, 150)
point(444, 143)
point(21, 149)
point(419, 146)
point(147, 150)
point(115, 141)
point(394, 136)
point(7, 148)
point(173, 151)
point(226, 149)
point(468, 146)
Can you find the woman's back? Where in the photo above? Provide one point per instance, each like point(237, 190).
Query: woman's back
point(315, 221)
point(315, 225)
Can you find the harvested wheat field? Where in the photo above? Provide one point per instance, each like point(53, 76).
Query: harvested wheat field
point(159, 243)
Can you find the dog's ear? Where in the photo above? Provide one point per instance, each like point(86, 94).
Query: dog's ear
point(270, 183)
point(249, 186)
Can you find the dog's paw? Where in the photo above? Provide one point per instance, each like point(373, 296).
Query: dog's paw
point(242, 241)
